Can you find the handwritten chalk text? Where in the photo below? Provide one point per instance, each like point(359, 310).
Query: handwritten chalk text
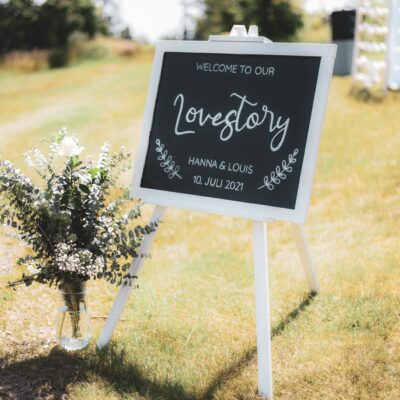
point(245, 116)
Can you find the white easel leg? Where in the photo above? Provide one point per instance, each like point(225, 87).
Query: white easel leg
point(125, 291)
point(262, 310)
point(305, 256)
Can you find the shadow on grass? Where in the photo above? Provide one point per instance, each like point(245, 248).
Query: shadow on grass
point(48, 376)
point(236, 368)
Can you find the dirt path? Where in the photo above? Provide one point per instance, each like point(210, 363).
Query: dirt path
point(34, 119)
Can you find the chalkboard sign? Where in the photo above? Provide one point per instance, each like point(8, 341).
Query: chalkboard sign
point(234, 128)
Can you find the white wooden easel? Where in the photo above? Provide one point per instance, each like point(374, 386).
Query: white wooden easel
point(238, 34)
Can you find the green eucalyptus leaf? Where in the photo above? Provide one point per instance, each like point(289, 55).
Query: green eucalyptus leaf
point(70, 221)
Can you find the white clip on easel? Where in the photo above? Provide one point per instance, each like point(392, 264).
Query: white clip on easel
point(238, 34)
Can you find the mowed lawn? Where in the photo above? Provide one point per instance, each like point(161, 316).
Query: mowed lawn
point(188, 332)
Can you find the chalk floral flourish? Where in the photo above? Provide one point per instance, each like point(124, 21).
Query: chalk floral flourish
point(280, 173)
point(166, 161)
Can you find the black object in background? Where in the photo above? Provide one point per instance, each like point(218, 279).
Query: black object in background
point(343, 24)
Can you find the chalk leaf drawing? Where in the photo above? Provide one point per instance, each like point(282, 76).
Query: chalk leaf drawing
point(280, 172)
point(166, 161)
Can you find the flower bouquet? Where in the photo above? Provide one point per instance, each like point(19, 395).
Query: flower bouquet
point(76, 223)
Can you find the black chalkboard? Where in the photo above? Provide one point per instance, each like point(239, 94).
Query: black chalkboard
point(231, 126)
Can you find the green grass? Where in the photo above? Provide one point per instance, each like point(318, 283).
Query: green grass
point(315, 29)
point(188, 332)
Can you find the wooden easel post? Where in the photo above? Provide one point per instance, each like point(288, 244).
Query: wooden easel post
point(261, 275)
point(125, 291)
point(305, 256)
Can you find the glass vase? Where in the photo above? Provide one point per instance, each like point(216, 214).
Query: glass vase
point(73, 322)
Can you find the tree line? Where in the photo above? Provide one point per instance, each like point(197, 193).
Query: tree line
point(27, 25)
point(279, 20)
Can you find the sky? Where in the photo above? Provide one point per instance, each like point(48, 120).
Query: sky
point(153, 19)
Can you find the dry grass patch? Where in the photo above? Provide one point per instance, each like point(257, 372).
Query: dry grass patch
point(188, 332)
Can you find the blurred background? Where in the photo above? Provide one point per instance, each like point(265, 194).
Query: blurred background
point(57, 32)
point(188, 332)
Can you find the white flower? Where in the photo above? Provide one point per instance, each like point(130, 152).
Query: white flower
point(69, 147)
point(32, 267)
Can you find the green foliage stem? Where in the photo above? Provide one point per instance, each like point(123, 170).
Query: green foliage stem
point(78, 223)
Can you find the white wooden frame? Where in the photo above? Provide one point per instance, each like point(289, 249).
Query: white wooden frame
point(228, 207)
point(259, 227)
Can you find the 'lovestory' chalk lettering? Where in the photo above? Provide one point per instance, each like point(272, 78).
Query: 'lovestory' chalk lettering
point(245, 117)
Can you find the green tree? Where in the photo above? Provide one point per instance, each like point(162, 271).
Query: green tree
point(278, 20)
point(60, 18)
point(17, 21)
point(25, 25)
